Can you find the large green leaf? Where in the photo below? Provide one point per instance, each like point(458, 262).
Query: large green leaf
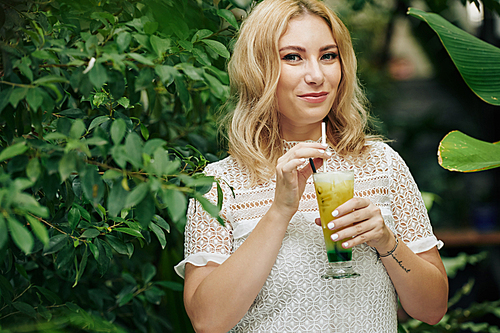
point(460, 152)
point(477, 61)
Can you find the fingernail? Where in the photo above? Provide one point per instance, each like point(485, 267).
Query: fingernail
point(334, 237)
point(345, 245)
point(335, 213)
point(324, 145)
point(321, 151)
point(331, 225)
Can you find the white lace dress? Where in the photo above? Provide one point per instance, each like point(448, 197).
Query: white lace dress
point(295, 298)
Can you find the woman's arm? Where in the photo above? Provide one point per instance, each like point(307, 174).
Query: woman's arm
point(216, 296)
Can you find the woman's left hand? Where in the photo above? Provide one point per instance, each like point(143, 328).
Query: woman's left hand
point(359, 221)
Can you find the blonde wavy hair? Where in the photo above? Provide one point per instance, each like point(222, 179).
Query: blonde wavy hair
point(252, 127)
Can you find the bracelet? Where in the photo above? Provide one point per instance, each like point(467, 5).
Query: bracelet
point(391, 251)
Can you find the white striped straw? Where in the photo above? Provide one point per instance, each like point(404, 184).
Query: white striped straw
point(323, 141)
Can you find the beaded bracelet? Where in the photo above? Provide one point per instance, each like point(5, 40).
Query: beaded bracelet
point(391, 251)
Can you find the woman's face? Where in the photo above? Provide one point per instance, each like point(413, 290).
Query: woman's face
point(310, 76)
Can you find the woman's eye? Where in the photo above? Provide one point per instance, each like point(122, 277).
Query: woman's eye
point(329, 56)
point(291, 57)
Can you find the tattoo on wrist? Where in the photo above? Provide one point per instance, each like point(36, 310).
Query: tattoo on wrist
point(391, 253)
point(400, 263)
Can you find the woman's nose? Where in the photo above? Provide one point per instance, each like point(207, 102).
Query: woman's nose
point(314, 73)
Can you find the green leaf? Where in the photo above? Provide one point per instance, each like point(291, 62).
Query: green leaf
point(65, 256)
point(80, 268)
point(98, 76)
point(117, 245)
point(477, 61)
point(137, 195)
point(95, 251)
point(183, 93)
point(167, 74)
point(140, 58)
point(98, 121)
point(85, 214)
point(38, 229)
point(460, 152)
point(150, 27)
point(154, 295)
point(47, 79)
point(161, 222)
point(55, 244)
point(14, 150)
point(144, 132)
point(201, 34)
point(117, 198)
point(118, 129)
point(49, 295)
point(218, 89)
point(229, 17)
point(218, 47)
point(160, 45)
point(24, 67)
point(91, 233)
point(25, 308)
point(92, 184)
point(176, 204)
point(145, 210)
point(33, 169)
point(3, 232)
point(124, 101)
point(34, 98)
point(123, 41)
point(148, 272)
point(125, 299)
point(160, 234)
point(55, 136)
point(67, 165)
point(202, 57)
point(17, 95)
point(77, 129)
point(133, 145)
point(105, 255)
point(21, 236)
point(129, 231)
point(74, 217)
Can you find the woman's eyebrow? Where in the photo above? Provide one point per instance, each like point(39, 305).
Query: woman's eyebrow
point(301, 49)
point(293, 48)
point(328, 47)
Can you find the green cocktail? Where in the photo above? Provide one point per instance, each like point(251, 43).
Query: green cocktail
point(332, 190)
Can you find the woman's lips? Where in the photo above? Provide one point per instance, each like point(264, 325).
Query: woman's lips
point(314, 97)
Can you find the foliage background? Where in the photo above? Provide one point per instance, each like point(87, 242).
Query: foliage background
point(107, 117)
point(102, 104)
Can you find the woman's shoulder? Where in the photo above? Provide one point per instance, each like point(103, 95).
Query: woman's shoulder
point(379, 148)
point(224, 168)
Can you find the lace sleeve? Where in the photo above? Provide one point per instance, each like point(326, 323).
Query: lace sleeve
point(410, 215)
point(205, 239)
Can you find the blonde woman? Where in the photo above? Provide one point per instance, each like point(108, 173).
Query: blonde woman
point(294, 67)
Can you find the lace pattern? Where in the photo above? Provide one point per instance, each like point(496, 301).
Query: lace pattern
point(295, 298)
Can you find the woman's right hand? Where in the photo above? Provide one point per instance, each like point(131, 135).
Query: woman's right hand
point(292, 172)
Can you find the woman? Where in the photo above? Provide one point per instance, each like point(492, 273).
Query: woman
point(294, 67)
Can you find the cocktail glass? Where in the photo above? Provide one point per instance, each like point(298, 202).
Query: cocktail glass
point(332, 190)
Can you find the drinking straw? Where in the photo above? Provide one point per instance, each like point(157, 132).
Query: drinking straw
point(323, 141)
point(312, 164)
